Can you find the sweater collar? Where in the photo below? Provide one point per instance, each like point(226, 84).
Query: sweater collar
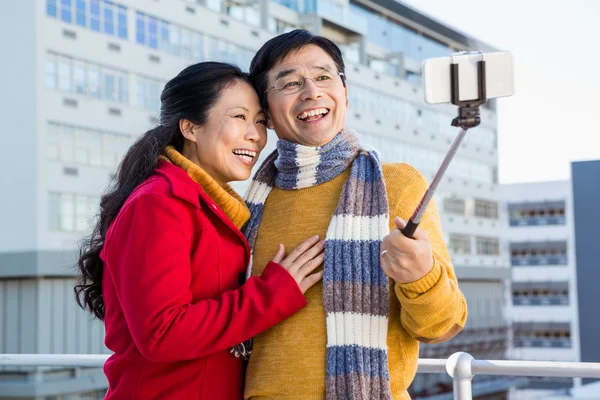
point(225, 197)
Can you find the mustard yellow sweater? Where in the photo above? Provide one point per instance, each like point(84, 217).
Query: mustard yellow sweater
point(288, 360)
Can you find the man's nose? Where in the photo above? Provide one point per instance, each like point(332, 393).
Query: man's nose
point(310, 90)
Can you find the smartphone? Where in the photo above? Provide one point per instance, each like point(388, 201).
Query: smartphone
point(499, 76)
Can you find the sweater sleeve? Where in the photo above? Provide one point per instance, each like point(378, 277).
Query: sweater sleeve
point(433, 309)
point(150, 268)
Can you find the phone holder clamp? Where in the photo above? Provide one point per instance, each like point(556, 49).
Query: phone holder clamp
point(468, 110)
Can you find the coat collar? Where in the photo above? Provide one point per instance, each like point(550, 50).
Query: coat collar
point(182, 185)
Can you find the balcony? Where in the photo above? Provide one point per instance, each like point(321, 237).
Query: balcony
point(341, 16)
point(538, 221)
point(333, 12)
point(539, 261)
point(461, 367)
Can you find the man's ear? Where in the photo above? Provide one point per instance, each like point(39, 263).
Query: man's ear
point(187, 130)
point(346, 92)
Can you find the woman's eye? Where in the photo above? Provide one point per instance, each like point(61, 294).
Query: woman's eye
point(262, 121)
point(241, 116)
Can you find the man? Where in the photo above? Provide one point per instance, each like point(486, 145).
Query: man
point(382, 293)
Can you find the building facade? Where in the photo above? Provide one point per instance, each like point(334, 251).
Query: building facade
point(554, 259)
point(543, 306)
point(83, 79)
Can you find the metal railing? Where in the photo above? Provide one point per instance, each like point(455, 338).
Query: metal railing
point(462, 367)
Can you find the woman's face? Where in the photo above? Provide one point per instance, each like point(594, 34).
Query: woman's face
point(228, 145)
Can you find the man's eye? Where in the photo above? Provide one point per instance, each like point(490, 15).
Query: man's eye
point(291, 84)
point(323, 77)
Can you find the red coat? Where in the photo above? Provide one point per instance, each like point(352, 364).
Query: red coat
point(174, 306)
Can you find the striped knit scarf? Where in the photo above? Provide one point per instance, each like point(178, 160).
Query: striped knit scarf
point(355, 289)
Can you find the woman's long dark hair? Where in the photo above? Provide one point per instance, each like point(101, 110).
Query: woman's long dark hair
point(190, 95)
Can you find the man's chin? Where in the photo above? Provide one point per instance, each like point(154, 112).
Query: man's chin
point(316, 137)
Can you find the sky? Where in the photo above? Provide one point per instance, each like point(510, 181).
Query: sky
point(554, 116)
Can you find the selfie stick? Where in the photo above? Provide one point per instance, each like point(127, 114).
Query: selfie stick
point(468, 117)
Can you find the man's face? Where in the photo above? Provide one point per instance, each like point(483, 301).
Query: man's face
point(313, 115)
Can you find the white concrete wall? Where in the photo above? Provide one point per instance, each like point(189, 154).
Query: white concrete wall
point(18, 113)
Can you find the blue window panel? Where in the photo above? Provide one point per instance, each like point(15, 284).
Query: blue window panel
point(122, 22)
point(65, 10)
point(140, 28)
point(109, 22)
point(51, 8)
point(164, 35)
point(80, 12)
point(153, 32)
point(95, 15)
point(154, 95)
point(122, 90)
point(109, 87)
point(141, 93)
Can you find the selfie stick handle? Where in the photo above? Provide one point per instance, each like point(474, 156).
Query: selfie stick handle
point(468, 117)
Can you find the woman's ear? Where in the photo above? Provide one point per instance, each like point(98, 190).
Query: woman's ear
point(269, 121)
point(187, 130)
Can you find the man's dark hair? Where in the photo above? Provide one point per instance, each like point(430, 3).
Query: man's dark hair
point(276, 49)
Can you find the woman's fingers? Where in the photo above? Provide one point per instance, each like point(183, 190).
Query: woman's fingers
point(278, 258)
point(298, 251)
point(310, 254)
point(302, 261)
point(310, 281)
point(311, 265)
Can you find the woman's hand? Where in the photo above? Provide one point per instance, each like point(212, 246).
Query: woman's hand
point(302, 261)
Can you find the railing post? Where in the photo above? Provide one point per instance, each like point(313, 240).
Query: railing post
point(459, 368)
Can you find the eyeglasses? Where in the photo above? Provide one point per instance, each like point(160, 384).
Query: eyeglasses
point(293, 83)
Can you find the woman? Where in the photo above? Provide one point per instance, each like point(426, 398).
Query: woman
point(164, 265)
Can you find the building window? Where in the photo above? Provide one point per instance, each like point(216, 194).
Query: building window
point(64, 74)
point(244, 11)
point(95, 15)
point(79, 77)
point(537, 213)
point(148, 93)
point(122, 21)
point(487, 246)
point(486, 209)
point(454, 205)
point(109, 18)
point(540, 293)
point(140, 28)
point(51, 72)
point(179, 41)
point(278, 26)
point(542, 334)
point(80, 12)
point(84, 146)
point(100, 15)
point(51, 8)
point(459, 244)
point(70, 212)
point(65, 10)
point(215, 5)
point(547, 253)
point(70, 75)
